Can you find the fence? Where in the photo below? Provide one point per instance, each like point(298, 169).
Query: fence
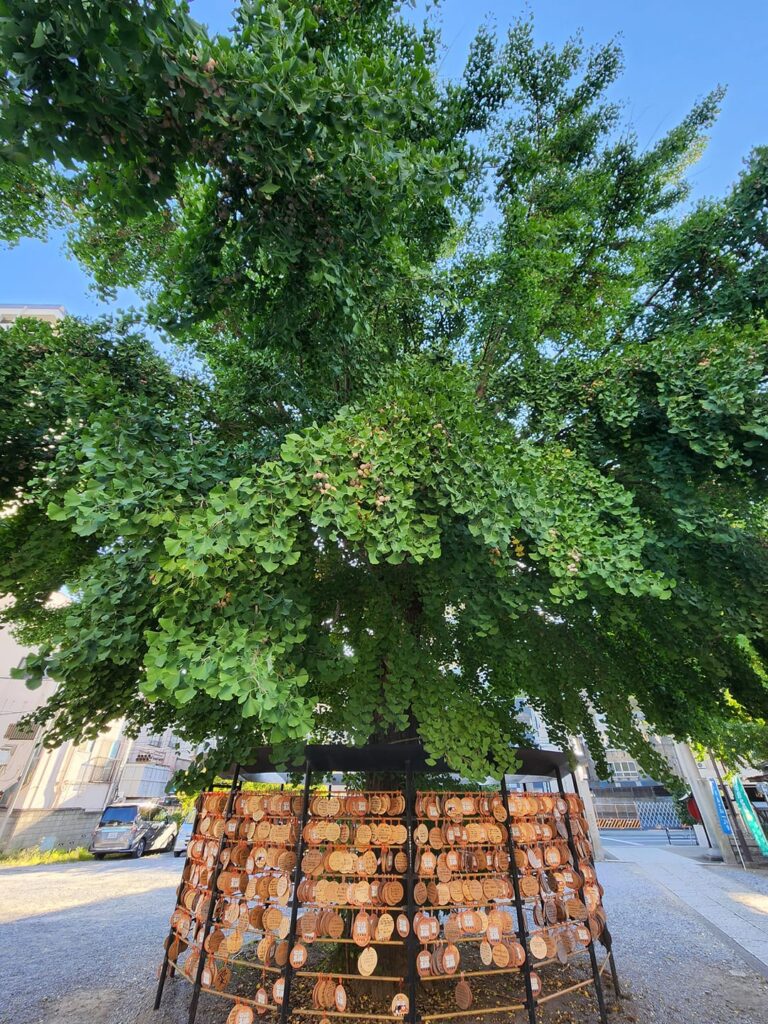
point(661, 813)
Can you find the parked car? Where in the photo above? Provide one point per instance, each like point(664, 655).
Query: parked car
point(185, 834)
point(133, 828)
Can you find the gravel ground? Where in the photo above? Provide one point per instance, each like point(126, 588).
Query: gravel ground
point(671, 961)
point(756, 880)
point(80, 944)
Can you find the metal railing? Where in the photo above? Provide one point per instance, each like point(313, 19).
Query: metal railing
point(681, 837)
point(100, 770)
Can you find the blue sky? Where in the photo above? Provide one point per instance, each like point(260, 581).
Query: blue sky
point(675, 52)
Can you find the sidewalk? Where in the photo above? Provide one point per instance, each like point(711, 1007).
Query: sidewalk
point(734, 903)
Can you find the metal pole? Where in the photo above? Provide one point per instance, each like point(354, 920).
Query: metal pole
point(288, 976)
point(591, 947)
point(411, 942)
point(614, 975)
point(522, 929)
point(735, 843)
point(164, 968)
point(212, 904)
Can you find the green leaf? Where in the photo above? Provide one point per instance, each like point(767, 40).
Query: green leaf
point(40, 35)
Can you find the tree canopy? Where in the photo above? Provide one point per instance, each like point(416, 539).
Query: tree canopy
point(473, 408)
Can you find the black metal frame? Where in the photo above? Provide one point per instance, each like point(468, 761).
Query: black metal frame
point(166, 960)
point(411, 942)
point(197, 984)
point(605, 939)
point(288, 975)
point(405, 757)
point(394, 757)
point(522, 925)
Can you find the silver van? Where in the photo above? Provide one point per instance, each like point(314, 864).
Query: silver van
point(133, 828)
point(185, 834)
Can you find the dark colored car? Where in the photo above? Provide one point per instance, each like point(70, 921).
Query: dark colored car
point(135, 829)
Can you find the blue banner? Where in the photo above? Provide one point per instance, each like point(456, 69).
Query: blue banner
point(725, 825)
point(748, 814)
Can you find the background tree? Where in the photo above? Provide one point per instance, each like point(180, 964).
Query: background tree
point(472, 414)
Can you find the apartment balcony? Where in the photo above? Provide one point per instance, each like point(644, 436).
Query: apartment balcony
point(151, 755)
point(98, 771)
point(144, 780)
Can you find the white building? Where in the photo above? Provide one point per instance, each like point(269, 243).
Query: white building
point(55, 797)
point(10, 313)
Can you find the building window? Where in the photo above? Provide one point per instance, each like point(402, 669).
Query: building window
point(624, 771)
point(99, 770)
point(5, 757)
point(16, 731)
point(153, 740)
point(33, 763)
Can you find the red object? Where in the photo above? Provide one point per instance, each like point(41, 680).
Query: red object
point(693, 809)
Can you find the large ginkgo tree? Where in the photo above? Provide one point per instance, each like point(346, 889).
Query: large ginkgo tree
point(463, 404)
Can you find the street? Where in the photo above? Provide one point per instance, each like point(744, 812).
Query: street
point(80, 944)
point(635, 837)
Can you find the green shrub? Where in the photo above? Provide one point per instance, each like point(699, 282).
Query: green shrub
point(34, 855)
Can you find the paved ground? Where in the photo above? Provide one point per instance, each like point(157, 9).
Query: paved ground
point(732, 901)
point(80, 943)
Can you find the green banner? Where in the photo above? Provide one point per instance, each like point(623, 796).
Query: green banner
point(749, 816)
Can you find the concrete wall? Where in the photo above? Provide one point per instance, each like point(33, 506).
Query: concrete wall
point(60, 779)
point(66, 826)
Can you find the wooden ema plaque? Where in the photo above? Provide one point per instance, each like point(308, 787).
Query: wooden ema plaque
point(268, 885)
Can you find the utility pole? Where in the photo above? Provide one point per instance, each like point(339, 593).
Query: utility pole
point(702, 794)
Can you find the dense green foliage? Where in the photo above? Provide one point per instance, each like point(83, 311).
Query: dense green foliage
point(473, 413)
